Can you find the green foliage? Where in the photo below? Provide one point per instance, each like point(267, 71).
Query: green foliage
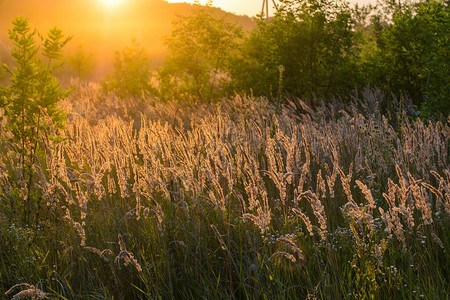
point(131, 76)
point(33, 92)
point(30, 101)
point(328, 49)
point(198, 61)
point(81, 63)
point(415, 54)
point(313, 39)
point(2, 72)
point(406, 50)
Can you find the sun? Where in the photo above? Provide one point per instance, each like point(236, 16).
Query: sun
point(111, 2)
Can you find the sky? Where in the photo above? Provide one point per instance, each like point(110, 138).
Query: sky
point(247, 7)
point(241, 7)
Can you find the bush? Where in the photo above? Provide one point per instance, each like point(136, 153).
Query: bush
point(81, 63)
point(131, 76)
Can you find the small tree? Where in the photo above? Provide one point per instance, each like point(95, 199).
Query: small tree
point(131, 76)
point(198, 61)
point(30, 101)
point(81, 63)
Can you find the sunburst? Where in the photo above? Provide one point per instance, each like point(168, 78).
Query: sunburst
point(111, 2)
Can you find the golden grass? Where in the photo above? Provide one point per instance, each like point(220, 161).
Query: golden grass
point(246, 163)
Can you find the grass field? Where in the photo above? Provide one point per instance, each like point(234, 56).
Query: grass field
point(240, 199)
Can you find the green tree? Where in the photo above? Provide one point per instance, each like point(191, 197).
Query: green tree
point(30, 101)
point(313, 39)
point(415, 54)
point(131, 76)
point(198, 62)
point(81, 63)
point(406, 51)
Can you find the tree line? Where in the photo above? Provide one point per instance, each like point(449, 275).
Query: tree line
point(313, 49)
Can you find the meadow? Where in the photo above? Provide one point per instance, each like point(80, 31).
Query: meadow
point(303, 157)
point(243, 198)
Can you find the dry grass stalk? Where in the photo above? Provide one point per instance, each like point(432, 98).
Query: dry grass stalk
point(389, 200)
point(227, 146)
point(102, 254)
point(422, 203)
point(400, 177)
point(331, 180)
point(379, 252)
point(355, 234)
point(219, 237)
point(306, 220)
point(303, 176)
point(284, 254)
point(76, 226)
point(346, 185)
point(437, 240)
point(321, 187)
point(220, 203)
point(440, 200)
point(133, 212)
point(136, 190)
point(367, 194)
point(392, 190)
point(318, 209)
point(82, 197)
point(126, 256)
point(19, 285)
point(159, 215)
point(293, 246)
point(256, 220)
point(30, 292)
point(434, 190)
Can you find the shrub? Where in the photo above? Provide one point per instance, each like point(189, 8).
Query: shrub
point(81, 63)
point(131, 75)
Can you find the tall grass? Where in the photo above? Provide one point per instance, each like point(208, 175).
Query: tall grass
point(231, 200)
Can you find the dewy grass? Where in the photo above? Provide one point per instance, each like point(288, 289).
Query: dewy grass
point(232, 200)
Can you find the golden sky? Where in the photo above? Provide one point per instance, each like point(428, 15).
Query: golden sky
point(247, 7)
point(105, 26)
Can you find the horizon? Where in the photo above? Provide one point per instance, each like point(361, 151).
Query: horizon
point(250, 8)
